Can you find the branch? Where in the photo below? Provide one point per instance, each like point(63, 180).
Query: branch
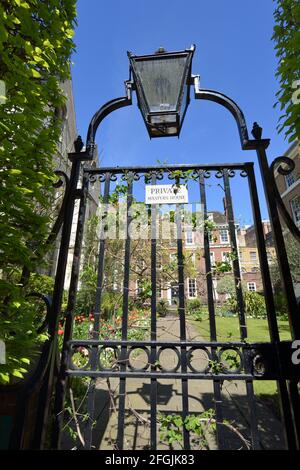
point(75, 417)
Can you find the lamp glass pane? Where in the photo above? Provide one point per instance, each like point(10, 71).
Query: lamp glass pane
point(161, 81)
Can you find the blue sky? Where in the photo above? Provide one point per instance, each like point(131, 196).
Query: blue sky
point(234, 55)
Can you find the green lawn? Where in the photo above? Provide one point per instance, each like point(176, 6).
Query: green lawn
point(228, 329)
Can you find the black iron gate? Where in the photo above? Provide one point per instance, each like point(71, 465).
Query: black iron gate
point(256, 361)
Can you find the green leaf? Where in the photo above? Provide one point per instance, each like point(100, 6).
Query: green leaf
point(4, 377)
point(17, 373)
point(35, 73)
point(25, 360)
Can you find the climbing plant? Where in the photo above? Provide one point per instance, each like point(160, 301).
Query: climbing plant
point(286, 37)
point(35, 47)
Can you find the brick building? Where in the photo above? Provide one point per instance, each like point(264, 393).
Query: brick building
point(195, 274)
point(65, 146)
point(289, 185)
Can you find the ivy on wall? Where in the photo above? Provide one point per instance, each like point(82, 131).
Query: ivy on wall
point(35, 49)
point(286, 37)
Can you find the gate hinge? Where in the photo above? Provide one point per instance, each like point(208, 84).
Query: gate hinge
point(270, 361)
point(78, 193)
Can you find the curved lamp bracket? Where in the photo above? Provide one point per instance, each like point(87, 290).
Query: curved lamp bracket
point(201, 94)
point(104, 111)
point(228, 103)
point(290, 166)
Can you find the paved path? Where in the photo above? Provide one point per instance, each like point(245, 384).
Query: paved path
point(136, 430)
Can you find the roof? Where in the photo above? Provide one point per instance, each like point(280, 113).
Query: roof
point(218, 217)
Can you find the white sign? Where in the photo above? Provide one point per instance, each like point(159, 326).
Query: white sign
point(166, 194)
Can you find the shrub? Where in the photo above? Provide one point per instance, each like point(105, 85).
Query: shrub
point(162, 308)
point(35, 47)
point(254, 305)
point(281, 305)
point(193, 305)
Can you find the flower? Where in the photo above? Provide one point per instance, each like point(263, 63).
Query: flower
point(60, 332)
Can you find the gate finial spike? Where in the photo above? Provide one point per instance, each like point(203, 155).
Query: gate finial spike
point(256, 131)
point(78, 144)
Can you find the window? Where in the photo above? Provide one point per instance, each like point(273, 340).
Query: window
point(215, 292)
point(212, 258)
point(241, 255)
point(255, 269)
point(140, 264)
point(295, 206)
point(253, 256)
point(290, 179)
point(115, 279)
point(193, 259)
point(224, 236)
point(189, 237)
point(251, 286)
point(139, 289)
point(225, 256)
point(173, 257)
point(159, 261)
point(192, 287)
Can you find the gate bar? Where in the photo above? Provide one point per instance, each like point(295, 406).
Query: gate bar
point(123, 355)
point(212, 319)
point(270, 307)
point(153, 385)
point(235, 262)
point(241, 305)
point(181, 312)
point(97, 315)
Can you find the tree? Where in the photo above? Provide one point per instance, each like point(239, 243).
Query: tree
point(287, 44)
point(35, 47)
point(226, 285)
point(293, 252)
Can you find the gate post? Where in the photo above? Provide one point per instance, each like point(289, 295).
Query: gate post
point(293, 309)
point(61, 383)
point(44, 402)
point(292, 409)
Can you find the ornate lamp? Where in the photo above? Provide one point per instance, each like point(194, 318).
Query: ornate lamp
point(162, 83)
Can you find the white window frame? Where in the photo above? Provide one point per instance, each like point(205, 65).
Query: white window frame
point(295, 208)
point(254, 286)
point(212, 258)
point(173, 257)
point(194, 288)
point(289, 180)
point(139, 290)
point(227, 235)
point(225, 257)
point(251, 258)
point(193, 259)
point(189, 239)
point(140, 264)
point(115, 279)
point(215, 292)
